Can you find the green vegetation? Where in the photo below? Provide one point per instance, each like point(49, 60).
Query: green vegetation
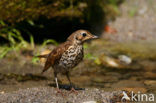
point(15, 40)
point(20, 10)
point(20, 19)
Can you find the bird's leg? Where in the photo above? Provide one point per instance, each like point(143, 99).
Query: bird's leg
point(57, 86)
point(72, 88)
point(56, 82)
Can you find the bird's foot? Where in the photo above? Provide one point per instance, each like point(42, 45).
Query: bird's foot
point(73, 91)
point(59, 92)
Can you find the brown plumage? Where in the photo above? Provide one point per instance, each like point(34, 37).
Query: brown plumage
point(55, 55)
point(68, 54)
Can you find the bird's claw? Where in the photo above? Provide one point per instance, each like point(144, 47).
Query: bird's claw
point(59, 92)
point(73, 91)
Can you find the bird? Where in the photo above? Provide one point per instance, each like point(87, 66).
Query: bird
point(67, 55)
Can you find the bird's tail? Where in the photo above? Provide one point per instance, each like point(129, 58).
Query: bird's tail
point(47, 64)
point(46, 67)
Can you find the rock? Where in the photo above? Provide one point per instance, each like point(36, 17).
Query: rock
point(2, 92)
point(114, 74)
point(90, 102)
point(150, 82)
point(125, 59)
point(110, 61)
point(135, 90)
point(48, 95)
point(128, 83)
point(150, 75)
point(105, 79)
point(148, 65)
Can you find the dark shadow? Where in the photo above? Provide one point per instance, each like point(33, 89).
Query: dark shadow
point(92, 17)
point(56, 28)
point(59, 28)
point(65, 86)
point(23, 77)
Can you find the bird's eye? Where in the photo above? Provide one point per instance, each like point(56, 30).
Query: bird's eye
point(84, 34)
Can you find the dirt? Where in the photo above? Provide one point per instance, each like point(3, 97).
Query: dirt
point(50, 95)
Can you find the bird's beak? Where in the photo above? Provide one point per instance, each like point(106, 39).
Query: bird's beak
point(95, 37)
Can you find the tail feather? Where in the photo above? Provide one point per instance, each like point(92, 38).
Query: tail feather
point(47, 64)
point(46, 67)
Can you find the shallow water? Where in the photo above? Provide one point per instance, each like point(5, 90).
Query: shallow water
point(17, 73)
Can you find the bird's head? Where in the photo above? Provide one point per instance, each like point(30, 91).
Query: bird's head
point(80, 36)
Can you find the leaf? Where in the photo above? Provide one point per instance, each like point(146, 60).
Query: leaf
point(2, 23)
point(35, 59)
point(31, 22)
point(32, 41)
point(49, 41)
point(4, 52)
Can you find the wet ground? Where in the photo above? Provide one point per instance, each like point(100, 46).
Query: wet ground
point(94, 72)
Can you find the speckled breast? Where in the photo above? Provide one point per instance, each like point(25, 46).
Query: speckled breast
point(71, 57)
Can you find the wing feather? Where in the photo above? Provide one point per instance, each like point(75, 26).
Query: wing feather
point(55, 55)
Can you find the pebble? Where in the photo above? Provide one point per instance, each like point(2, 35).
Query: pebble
point(48, 95)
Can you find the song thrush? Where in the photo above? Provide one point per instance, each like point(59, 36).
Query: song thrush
point(68, 54)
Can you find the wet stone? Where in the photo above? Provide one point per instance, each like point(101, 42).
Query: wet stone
point(105, 79)
point(128, 83)
point(114, 74)
point(150, 75)
point(151, 84)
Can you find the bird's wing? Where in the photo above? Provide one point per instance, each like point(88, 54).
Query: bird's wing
point(55, 55)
